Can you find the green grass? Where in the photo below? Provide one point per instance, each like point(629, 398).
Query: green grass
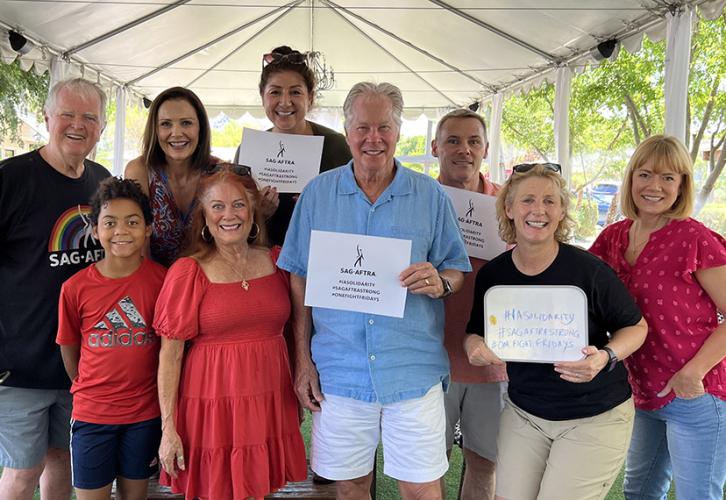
point(386, 488)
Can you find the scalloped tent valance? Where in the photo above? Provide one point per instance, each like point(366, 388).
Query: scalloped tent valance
point(442, 54)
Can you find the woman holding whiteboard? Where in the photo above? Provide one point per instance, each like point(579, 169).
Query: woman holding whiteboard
point(675, 267)
point(566, 426)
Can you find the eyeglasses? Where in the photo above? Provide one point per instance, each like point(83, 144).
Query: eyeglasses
point(292, 58)
point(526, 167)
point(241, 170)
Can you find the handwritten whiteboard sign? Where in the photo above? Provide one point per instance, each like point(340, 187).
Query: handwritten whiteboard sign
point(286, 161)
point(355, 272)
point(539, 324)
point(477, 216)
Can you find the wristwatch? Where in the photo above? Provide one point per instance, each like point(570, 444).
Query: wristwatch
point(448, 290)
point(612, 359)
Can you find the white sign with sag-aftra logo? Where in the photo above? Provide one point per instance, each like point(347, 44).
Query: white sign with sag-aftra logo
point(477, 216)
point(541, 324)
point(354, 272)
point(285, 161)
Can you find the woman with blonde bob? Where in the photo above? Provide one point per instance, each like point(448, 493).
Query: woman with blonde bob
point(565, 427)
point(675, 268)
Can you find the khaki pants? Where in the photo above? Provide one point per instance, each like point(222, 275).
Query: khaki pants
point(561, 460)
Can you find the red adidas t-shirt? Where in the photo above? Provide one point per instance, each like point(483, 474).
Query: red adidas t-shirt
point(111, 319)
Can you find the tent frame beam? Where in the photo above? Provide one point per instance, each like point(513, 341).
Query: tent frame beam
point(123, 28)
point(243, 44)
point(496, 31)
point(294, 3)
point(335, 8)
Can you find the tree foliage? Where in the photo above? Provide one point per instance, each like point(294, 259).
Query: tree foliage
point(620, 103)
point(20, 92)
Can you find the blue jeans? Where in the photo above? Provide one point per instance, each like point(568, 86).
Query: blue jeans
point(685, 440)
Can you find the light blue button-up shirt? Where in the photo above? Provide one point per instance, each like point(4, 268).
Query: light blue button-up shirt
point(366, 356)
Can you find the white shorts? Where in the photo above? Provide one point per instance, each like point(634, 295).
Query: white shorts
point(478, 408)
point(346, 433)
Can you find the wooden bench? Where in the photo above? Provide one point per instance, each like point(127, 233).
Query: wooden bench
point(304, 489)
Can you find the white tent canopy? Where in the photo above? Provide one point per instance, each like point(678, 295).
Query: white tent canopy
point(442, 54)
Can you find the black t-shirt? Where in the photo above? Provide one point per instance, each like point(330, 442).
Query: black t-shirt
point(45, 238)
point(335, 154)
point(536, 387)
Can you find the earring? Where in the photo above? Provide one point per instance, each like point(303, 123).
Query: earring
point(206, 235)
point(253, 235)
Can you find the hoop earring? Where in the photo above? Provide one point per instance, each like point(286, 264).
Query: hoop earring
point(252, 237)
point(206, 235)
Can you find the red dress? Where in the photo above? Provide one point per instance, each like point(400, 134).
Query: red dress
point(236, 410)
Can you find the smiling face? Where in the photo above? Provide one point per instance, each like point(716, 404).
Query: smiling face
point(372, 134)
point(536, 210)
point(74, 125)
point(460, 148)
point(227, 213)
point(177, 129)
point(121, 229)
point(286, 100)
point(654, 190)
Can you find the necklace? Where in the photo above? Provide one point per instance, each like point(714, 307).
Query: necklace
point(636, 246)
point(245, 284)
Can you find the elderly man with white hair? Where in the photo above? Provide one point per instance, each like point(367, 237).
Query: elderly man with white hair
point(368, 377)
point(45, 237)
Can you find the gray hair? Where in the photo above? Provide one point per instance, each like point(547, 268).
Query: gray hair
point(81, 87)
point(461, 113)
point(384, 89)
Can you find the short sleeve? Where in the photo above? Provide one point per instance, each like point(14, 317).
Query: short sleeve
point(69, 317)
point(176, 315)
point(614, 307)
point(704, 249)
point(604, 245)
point(448, 250)
point(476, 318)
point(295, 250)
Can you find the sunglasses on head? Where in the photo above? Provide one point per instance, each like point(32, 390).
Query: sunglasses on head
point(242, 170)
point(526, 167)
point(276, 58)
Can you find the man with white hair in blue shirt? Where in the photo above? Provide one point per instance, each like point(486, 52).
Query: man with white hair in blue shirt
point(369, 377)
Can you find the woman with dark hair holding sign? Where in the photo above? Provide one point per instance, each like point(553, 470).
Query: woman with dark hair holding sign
point(566, 426)
point(287, 88)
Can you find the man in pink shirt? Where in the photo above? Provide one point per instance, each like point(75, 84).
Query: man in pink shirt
point(475, 394)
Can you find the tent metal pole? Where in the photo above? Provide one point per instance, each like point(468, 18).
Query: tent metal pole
point(563, 86)
point(677, 68)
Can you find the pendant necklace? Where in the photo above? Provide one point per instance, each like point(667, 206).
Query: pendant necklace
point(245, 284)
point(638, 246)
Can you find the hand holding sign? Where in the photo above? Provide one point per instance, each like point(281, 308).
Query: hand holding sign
point(286, 161)
point(478, 352)
point(541, 324)
point(356, 272)
point(583, 370)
